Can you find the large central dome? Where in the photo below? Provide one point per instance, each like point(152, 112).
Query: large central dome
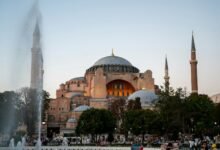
point(113, 64)
point(112, 60)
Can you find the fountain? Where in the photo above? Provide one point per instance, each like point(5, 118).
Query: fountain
point(12, 143)
point(23, 141)
point(19, 146)
point(33, 22)
point(65, 142)
point(38, 144)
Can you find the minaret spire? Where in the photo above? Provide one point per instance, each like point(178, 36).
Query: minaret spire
point(37, 60)
point(193, 63)
point(166, 77)
point(36, 35)
point(193, 48)
point(166, 63)
point(37, 29)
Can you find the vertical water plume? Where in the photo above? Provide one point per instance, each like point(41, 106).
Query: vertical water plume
point(30, 35)
point(37, 74)
point(21, 55)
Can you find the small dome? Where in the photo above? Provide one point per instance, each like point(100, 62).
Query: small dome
point(76, 94)
point(216, 98)
point(71, 120)
point(112, 60)
point(146, 97)
point(81, 108)
point(78, 79)
point(73, 94)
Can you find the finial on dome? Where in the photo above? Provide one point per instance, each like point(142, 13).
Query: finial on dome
point(113, 52)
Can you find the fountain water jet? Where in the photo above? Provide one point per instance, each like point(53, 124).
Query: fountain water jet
point(37, 76)
point(19, 146)
point(12, 143)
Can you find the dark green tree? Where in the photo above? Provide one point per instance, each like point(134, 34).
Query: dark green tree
point(134, 104)
point(140, 122)
point(118, 108)
point(30, 98)
point(45, 104)
point(171, 107)
point(200, 112)
point(96, 122)
point(10, 114)
point(217, 119)
point(30, 109)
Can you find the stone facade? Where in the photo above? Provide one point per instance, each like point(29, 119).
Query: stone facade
point(109, 77)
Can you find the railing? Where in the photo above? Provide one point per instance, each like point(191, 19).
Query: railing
point(74, 148)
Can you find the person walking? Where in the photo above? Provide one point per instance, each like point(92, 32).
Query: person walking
point(204, 146)
point(142, 147)
point(191, 144)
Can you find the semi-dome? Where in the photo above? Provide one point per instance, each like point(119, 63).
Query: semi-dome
point(73, 94)
point(71, 120)
point(113, 64)
point(112, 60)
point(146, 97)
point(81, 108)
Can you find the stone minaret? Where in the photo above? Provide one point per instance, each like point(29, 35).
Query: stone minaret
point(37, 61)
point(166, 77)
point(193, 63)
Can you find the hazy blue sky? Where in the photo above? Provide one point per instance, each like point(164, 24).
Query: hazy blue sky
point(76, 33)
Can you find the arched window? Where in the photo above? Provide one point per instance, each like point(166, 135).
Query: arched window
point(119, 88)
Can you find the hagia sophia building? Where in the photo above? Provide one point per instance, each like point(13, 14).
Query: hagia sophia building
point(109, 78)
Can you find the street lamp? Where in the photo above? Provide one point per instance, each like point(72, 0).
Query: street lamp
point(192, 120)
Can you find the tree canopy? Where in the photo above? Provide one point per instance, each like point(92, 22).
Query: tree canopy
point(20, 107)
point(96, 121)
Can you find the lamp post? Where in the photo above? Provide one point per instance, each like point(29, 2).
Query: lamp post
point(192, 120)
point(43, 127)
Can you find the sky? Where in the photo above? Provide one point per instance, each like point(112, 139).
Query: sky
point(76, 33)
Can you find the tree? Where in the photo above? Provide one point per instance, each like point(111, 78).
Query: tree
point(31, 98)
point(45, 104)
point(10, 114)
point(172, 111)
point(134, 104)
point(200, 113)
point(140, 122)
point(217, 119)
point(96, 122)
point(118, 108)
point(30, 109)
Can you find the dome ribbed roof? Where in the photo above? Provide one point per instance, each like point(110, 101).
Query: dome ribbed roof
point(146, 97)
point(113, 64)
point(112, 60)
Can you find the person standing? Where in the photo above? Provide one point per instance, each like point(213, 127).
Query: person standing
point(191, 144)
